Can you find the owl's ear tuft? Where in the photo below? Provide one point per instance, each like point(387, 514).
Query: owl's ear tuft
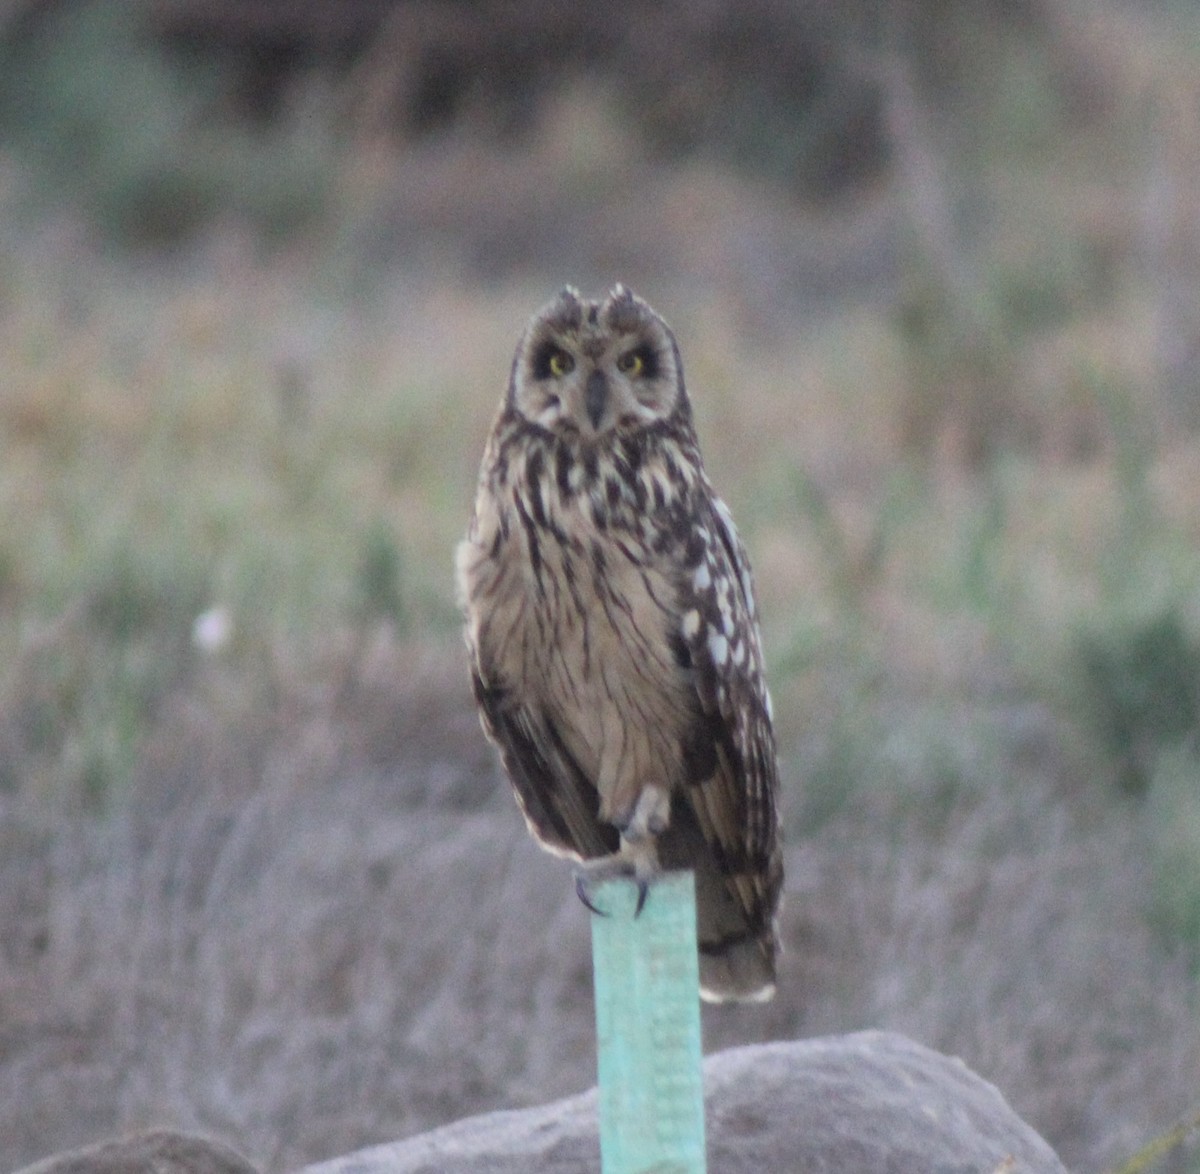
point(621, 297)
point(565, 312)
point(624, 311)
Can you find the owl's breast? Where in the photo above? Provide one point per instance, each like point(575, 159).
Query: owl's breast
point(602, 661)
point(579, 626)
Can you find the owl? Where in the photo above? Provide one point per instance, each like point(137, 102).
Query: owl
point(613, 633)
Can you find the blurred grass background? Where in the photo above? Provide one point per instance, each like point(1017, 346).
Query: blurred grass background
point(936, 277)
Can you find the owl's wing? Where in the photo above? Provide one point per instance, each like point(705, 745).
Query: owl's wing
point(560, 804)
point(733, 784)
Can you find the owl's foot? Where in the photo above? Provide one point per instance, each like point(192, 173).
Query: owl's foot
point(647, 814)
point(586, 879)
point(637, 861)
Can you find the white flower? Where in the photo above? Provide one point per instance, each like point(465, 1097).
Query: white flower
point(212, 629)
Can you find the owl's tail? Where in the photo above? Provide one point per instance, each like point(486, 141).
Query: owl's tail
point(735, 915)
point(737, 959)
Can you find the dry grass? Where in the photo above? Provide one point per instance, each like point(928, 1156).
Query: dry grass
point(324, 926)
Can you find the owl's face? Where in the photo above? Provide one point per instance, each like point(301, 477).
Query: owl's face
point(585, 369)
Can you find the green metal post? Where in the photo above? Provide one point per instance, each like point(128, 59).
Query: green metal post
point(647, 976)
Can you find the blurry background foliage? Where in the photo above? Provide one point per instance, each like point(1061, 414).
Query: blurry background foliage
point(935, 270)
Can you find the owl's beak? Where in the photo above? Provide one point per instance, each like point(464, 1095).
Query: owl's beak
point(595, 397)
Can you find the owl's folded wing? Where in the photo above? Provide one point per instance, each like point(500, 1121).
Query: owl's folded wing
point(560, 804)
point(735, 784)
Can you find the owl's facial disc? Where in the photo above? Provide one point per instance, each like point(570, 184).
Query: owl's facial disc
point(588, 368)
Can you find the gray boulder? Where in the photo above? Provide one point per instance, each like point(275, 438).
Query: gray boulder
point(869, 1103)
point(159, 1151)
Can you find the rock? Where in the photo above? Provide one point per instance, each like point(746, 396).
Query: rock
point(860, 1103)
point(159, 1151)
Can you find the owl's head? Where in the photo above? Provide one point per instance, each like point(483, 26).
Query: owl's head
point(587, 368)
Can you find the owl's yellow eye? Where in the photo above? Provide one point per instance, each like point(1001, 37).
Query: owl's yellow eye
point(632, 363)
point(560, 364)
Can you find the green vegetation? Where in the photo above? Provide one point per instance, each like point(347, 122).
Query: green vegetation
point(140, 141)
point(167, 455)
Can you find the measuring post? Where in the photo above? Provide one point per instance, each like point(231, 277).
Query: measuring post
point(647, 976)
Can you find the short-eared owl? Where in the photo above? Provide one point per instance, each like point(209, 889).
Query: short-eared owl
point(613, 631)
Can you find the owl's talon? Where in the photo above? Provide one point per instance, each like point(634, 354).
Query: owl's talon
point(581, 891)
point(584, 882)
